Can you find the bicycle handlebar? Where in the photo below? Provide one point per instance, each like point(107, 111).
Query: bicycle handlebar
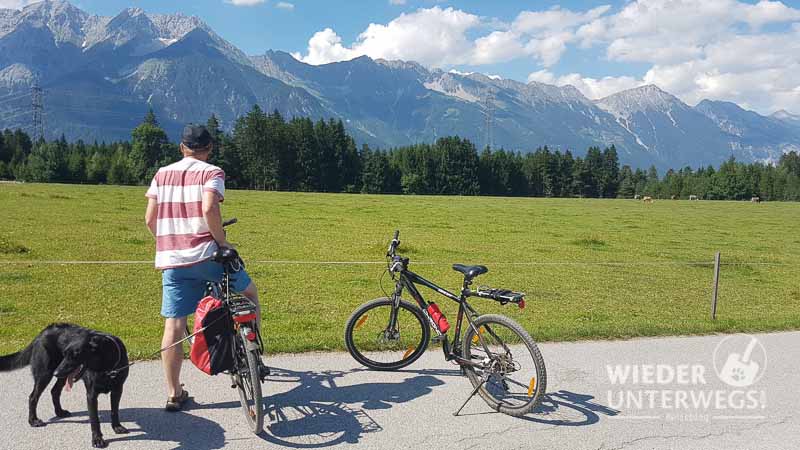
point(393, 245)
point(229, 222)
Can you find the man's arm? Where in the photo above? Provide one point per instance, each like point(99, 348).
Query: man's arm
point(213, 217)
point(151, 215)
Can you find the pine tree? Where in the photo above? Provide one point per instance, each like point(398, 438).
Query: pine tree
point(150, 149)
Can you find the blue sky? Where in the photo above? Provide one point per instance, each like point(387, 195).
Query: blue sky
point(746, 51)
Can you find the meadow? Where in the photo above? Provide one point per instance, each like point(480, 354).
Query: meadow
point(592, 268)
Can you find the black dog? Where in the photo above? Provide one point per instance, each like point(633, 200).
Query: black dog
point(71, 353)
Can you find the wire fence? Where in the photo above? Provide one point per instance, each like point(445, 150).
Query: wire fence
point(424, 263)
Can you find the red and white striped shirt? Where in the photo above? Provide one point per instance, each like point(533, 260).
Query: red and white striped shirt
point(182, 234)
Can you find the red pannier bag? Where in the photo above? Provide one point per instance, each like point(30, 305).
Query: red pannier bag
point(212, 350)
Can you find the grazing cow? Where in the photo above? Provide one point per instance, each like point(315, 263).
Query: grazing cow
point(636, 197)
point(692, 197)
point(755, 200)
point(647, 199)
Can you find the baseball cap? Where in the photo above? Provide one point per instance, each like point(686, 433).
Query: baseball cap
point(195, 136)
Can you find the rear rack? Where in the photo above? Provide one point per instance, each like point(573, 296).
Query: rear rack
point(501, 295)
point(240, 305)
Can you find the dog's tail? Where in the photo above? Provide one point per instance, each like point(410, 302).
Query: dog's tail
point(16, 360)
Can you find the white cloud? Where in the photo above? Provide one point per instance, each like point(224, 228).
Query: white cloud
point(555, 19)
point(285, 5)
point(759, 72)
point(697, 49)
point(444, 36)
point(397, 2)
point(434, 36)
point(497, 46)
point(324, 47)
point(16, 4)
point(245, 2)
point(590, 87)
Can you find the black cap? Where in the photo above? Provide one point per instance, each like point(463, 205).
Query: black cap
point(195, 136)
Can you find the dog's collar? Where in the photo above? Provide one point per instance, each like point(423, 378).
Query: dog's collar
point(114, 369)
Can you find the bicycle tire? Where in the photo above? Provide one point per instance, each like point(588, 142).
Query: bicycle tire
point(249, 386)
point(536, 356)
point(411, 354)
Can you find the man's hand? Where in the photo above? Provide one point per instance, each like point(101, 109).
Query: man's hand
point(225, 244)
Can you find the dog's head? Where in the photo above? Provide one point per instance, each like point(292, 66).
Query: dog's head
point(81, 355)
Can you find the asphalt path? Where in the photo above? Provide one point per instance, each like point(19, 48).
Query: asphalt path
point(320, 400)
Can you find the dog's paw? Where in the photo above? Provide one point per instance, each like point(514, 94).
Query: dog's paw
point(36, 423)
point(119, 429)
point(63, 413)
point(99, 442)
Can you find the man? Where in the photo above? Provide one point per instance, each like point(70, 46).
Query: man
point(183, 214)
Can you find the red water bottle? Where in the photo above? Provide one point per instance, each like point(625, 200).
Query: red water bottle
point(438, 318)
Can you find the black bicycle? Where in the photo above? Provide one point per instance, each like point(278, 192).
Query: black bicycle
point(498, 356)
point(248, 371)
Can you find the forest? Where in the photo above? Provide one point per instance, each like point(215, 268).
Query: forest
point(264, 151)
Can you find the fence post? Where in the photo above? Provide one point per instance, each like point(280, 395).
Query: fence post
point(716, 287)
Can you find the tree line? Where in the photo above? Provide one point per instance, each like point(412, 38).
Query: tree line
point(267, 152)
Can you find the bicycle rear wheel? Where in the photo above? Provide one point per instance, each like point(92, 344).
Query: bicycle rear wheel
point(373, 342)
point(248, 383)
point(513, 373)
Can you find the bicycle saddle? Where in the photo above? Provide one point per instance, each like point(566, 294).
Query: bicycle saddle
point(470, 272)
point(225, 255)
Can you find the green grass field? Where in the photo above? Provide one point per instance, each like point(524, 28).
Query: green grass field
point(604, 268)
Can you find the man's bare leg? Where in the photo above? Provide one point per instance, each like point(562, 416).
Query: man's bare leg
point(174, 330)
point(251, 292)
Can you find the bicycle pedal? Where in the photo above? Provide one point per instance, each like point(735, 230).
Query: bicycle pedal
point(264, 372)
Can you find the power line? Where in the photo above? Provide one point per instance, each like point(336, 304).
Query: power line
point(37, 106)
point(15, 115)
point(488, 105)
point(11, 98)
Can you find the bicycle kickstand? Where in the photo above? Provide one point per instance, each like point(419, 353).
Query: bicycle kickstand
point(474, 391)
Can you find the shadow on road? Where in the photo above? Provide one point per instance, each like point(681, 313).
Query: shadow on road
point(188, 431)
point(565, 408)
point(318, 413)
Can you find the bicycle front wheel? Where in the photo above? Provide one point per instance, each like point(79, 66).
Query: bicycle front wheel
point(380, 343)
point(248, 382)
point(512, 371)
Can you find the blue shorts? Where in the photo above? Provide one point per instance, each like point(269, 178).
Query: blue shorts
point(184, 287)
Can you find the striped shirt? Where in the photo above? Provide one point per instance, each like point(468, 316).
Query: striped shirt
point(182, 234)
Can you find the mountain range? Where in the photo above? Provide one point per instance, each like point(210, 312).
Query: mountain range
point(100, 75)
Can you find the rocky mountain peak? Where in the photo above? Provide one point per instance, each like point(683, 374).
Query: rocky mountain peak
point(64, 20)
point(640, 99)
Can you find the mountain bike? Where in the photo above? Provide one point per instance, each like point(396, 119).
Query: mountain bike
point(248, 371)
point(499, 357)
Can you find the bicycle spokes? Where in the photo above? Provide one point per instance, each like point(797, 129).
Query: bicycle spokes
point(507, 368)
point(383, 334)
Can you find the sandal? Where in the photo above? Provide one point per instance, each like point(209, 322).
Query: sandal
point(174, 404)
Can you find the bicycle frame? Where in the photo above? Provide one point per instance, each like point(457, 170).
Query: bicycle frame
point(408, 280)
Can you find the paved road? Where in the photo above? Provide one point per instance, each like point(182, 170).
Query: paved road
point(326, 400)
